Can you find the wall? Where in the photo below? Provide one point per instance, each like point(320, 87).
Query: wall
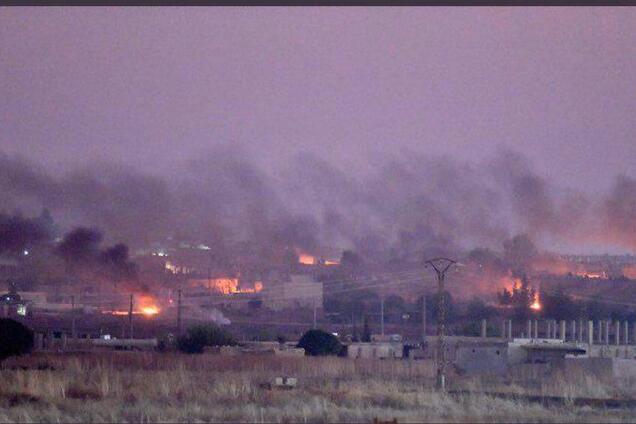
point(300, 291)
point(375, 350)
point(482, 359)
point(605, 368)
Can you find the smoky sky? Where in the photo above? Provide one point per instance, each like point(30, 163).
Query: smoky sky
point(365, 127)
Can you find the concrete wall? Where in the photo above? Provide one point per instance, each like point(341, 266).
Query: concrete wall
point(605, 368)
point(482, 359)
point(377, 350)
point(610, 351)
point(298, 291)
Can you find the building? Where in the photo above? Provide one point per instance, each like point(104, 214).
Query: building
point(376, 350)
point(298, 291)
point(12, 303)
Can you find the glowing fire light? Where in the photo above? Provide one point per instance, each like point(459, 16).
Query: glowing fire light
point(306, 259)
point(150, 310)
point(536, 304)
point(144, 305)
point(231, 285)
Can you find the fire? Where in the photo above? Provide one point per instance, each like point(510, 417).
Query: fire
point(174, 269)
point(306, 259)
point(231, 285)
point(150, 310)
point(536, 304)
point(630, 272)
point(142, 305)
point(511, 284)
point(328, 263)
point(225, 285)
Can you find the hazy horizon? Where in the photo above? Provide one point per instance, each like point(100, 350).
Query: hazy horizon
point(351, 90)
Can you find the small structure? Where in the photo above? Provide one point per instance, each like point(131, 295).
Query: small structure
point(550, 353)
point(376, 350)
point(281, 383)
point(12, 303)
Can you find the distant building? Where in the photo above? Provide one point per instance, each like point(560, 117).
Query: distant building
point(12, 303)
point(298, 291)
point(376, 350)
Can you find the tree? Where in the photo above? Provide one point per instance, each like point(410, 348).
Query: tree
point(15, 338)
point(394, 307)
point(200, 336)
point(477, 310)
point(366, 330)
point(319, 343)
point(520, 297)
point(432, 307)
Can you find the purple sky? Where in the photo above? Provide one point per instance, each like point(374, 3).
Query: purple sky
point(155, 86)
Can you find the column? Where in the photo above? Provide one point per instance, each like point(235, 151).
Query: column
point(590, 334)
point(529, 329)
point(562, 330)
point(536, 329)
point(39, 341)
point(483, 328)
point(617, 332)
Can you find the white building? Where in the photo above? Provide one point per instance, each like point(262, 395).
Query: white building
point(300, 291)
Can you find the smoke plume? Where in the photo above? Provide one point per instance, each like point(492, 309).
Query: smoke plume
point(403, 208)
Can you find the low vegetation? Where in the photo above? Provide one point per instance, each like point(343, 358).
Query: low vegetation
point(172, 387)
point(15, 338)
point(200, 336)
point(320, 343)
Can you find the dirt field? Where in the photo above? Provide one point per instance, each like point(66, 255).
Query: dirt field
point(155, 387)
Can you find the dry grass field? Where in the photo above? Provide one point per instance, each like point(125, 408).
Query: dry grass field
point(154, 387)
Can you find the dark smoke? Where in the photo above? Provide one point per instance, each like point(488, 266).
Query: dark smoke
point(80, 249)
point(80, 246)
point(18, 234)
point(404, 208)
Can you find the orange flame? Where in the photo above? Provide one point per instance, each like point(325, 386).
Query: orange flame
point(144, 305)
point(231, 285)
point(306, 259)
point(536, 304)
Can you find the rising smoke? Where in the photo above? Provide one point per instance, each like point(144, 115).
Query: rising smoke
point(404, 207)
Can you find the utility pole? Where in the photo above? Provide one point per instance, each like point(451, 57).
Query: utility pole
point(130, 316)
point(179, 310)
point(73, 330)
point(441, 266)
point(423, 319)
point(382, 315)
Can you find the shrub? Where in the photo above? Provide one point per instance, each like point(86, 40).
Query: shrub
point(15, 338)
point(319, 343)
point(200, 336)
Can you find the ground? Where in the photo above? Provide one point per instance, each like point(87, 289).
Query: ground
point(171, 387)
